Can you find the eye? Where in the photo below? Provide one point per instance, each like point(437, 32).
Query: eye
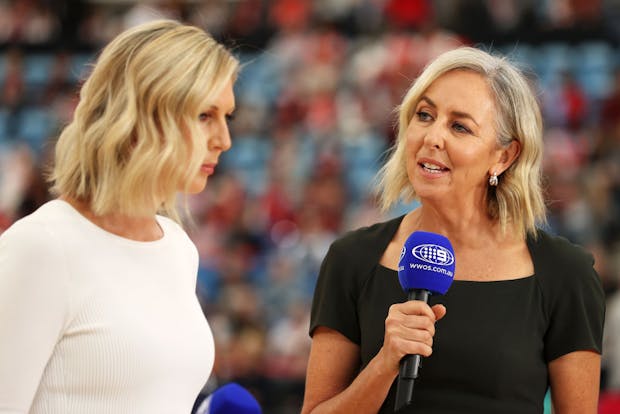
point(458, 127)
point(423, 116)
point(230, 118)
point(204, 116)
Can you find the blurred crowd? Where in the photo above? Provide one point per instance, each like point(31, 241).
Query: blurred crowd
point(316, 99)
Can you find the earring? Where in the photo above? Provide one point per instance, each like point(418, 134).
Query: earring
point(493, 180)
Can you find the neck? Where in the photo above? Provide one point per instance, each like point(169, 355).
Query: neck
point(138, 228)
point(467, 228)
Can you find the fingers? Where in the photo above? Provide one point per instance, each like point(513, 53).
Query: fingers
point(410, 327)
point(414, 321)
point(414, 307)
point(439, 310)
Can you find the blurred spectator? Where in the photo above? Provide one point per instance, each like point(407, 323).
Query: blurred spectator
point(27, 22)
point(141, 13)
point(18, 172)
point(13, 94)
point(566, 104)
point(611, 344)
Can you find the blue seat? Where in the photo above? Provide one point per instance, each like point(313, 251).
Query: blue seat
point(36, 125)
point(80, 67)
point(2, 66)
point(552, 60)
point(4, 133)
point(522, 54)
point(594, 68)
point(260, 79)
point(362, 157)
point(37, 68)
point(249, 161)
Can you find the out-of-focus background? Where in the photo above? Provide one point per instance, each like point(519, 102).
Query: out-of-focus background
point(316, 101)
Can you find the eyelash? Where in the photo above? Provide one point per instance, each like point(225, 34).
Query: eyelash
point(424, 117)
point(205, 116)
point(463, 128)
point(422, 114)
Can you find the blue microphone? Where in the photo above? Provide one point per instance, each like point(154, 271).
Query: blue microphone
point(231, 398)
point(426, 267)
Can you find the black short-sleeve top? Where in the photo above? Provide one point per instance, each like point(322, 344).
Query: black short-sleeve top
point(491, 350)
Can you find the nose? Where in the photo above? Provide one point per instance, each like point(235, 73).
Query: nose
point(434, 136)
point(221, 140)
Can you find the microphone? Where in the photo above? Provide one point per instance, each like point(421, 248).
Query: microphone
point(231, 398)
point(425, 267)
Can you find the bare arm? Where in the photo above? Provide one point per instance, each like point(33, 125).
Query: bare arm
point(575, 380)
point(331, 382)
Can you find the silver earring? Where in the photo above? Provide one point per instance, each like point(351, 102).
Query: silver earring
point(493, 180)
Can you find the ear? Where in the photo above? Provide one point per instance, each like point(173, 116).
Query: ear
point(506, 157)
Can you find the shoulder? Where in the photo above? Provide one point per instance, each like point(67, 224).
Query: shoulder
point(176, 234)
point(35, 228)
point(559, 255)
point(366, 240)
point(572, 295)
point(172, 229)
point(565, 272)
point(170, 225)
point(32, 249)
point(356, 252)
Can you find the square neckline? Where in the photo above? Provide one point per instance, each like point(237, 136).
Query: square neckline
point(394, 223)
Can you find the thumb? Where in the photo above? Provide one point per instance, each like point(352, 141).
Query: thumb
point(439, 310)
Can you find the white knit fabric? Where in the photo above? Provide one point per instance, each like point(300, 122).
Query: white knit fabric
point(91, 322)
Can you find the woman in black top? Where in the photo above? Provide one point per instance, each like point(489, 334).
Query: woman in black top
point(526, 309)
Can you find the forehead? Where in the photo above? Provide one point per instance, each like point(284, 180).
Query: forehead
point(226, 95)
point(224, 99)
point(461, 90)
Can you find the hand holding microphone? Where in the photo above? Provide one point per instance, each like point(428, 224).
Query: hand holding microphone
point(426, 267)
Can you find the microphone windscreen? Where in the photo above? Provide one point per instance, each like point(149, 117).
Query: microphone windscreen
point(232, 398)
point(426, 262)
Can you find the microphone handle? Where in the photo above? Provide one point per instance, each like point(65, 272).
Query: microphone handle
point(410, 364)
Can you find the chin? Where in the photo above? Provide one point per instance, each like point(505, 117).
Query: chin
point(429, 192)
point(197, 186)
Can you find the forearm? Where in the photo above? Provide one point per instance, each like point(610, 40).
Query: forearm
point(364, 395)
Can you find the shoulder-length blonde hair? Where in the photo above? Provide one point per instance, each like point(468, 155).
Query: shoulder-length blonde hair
point(130, 147)
point(517, 201)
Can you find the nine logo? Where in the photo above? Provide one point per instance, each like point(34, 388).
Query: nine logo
point(432, 253)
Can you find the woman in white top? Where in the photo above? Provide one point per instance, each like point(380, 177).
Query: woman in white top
point(98, 312)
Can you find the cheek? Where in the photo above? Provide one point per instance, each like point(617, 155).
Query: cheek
point(411, 149)
point(414, 136)
point(473, 155)
point(206, 132)
point(412, 144)
point(199, 138)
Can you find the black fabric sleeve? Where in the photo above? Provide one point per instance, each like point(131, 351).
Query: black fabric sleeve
point(334, 302)
point(575, 301)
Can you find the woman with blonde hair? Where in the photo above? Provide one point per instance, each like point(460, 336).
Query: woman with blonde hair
point(525, 311)
point(98, 312)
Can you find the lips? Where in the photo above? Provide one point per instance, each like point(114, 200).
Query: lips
point(208, 168)
point(432, 166)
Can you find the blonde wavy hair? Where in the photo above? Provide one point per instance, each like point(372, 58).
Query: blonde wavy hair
point(130, 147)
point(517, 201)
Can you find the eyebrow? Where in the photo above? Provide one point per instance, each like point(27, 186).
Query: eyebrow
point(217, 108)
point(458, 114)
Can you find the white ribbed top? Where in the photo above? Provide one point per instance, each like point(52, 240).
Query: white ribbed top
point(91, 322)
